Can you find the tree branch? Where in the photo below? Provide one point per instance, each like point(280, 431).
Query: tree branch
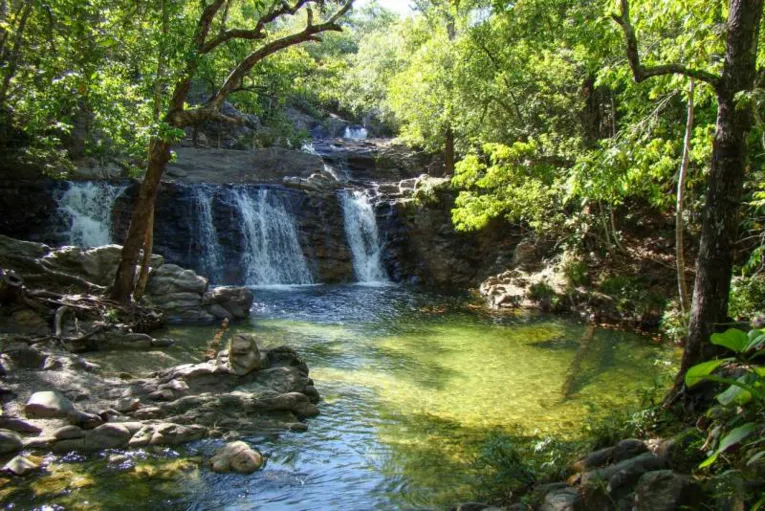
point(235, 78)
point(257, 32)
point(641, 72)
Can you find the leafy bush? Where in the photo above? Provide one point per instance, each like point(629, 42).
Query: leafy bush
point(747, 297)
point(674, 324)
point(576, 272)
point(631, 295)
point(738, 421)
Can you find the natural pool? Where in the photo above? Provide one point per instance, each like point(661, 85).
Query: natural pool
point(411, 383)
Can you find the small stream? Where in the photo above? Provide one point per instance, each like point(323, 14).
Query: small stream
point(411, 384)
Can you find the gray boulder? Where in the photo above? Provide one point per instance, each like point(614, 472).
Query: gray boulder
point(170, 278)
point(107, 436)
point(48, 405)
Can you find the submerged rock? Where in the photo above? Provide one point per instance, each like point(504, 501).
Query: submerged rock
point(21, 465)
point(236, 457)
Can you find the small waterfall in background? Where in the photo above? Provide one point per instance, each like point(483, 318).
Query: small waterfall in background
point(361, 231)
point(356, 133)
point(206, 235)
point(272, 253)
point(87, 208)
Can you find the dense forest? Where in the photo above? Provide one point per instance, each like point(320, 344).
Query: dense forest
point(624, 141)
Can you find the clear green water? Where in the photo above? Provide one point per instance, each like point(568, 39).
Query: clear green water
point(411, 382)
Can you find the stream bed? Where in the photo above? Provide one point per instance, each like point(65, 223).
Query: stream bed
point(411, 383)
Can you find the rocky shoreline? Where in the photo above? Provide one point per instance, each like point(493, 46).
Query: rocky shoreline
point(56, 400)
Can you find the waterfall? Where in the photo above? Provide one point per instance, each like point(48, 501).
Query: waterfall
point(358, 133)
point(361, 231)
point(87, 207)
point(211, 258)
point(271, 249)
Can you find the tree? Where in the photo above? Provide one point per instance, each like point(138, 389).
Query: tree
point(719, 225)
point(178, 115)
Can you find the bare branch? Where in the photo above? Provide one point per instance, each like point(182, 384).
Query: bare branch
point(641, 72)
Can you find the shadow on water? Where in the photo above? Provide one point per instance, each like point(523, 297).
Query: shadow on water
point(412, 383)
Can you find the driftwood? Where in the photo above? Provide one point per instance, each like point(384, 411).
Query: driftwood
point(103, 313)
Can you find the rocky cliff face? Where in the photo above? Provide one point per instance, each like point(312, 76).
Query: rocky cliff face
point(200, 201)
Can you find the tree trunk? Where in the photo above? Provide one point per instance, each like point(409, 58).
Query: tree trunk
point(148, 246)
point(682, 285)
point(159, 155)
point(719, 227)
point(449, 152)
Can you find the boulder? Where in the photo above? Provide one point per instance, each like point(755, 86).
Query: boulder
point(48, 405)
point(665, 490)
point(107, 436)
point(524, 254)
point(10, 442)
point(562, 499)
point(229, 302)
point(97, 265)
point(623, 450)
point(19, 425)
point(618, 480)
point(236, 457)
point(169, 279)
point(21, 465)
point(243, 354)
point(127, 404)
point(69, 433)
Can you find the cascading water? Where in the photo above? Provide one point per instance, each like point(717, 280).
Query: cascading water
point(87, 207)
point(211, 258)
point(355, 133)
point(361, 231)
point(272, 253)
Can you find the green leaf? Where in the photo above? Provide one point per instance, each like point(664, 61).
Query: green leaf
point(735, 394)
point(734, 437)
point(753, 459)
point(755, 341)
point(697, 373)
point(734, 339)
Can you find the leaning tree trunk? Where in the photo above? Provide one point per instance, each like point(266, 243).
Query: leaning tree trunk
point(682, 285)
point(719, 225)
point(159, 155)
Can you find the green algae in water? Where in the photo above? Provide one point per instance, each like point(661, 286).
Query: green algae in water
point(411, 384)
point(140, 482)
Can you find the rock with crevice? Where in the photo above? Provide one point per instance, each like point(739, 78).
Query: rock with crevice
point(243, 354)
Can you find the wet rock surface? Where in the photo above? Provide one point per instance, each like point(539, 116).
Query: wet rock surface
point(243, 390)
point(236, 457)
